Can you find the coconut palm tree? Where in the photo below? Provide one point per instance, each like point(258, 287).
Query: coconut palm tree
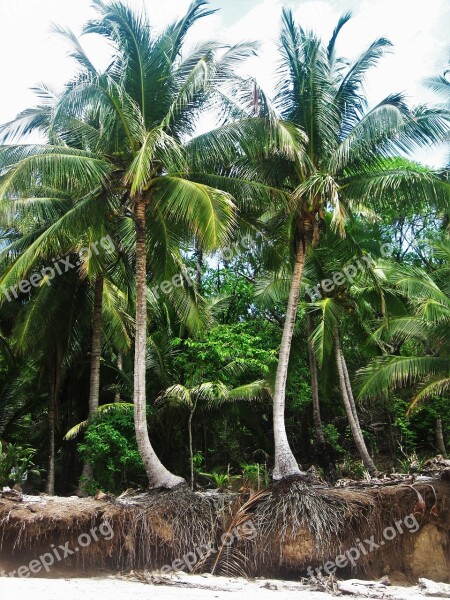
point(426, 327)
point(145, 105)
point(350, 165)
point(356, 295)
point(40, 234)
point(212, 394)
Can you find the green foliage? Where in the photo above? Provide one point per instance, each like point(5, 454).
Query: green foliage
point(352, 468)
point(332, 436)
point(410, 463)
point(220, 480)
point(240, 352)
point(16, 464)
point(123, 136)
point(110, 447)
point(402, 422)
point(198, 460)
point(255, 476)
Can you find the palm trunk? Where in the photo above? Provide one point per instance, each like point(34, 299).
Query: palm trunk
point(285, 463)
point(54, 390)
point(348, 385)
point(158, 476)
point(191, 447)
point(199, 257)
point(320, 438)
point(120, 368)
point(94, 387)
point(352, 416)
point(50, 485)
point(440, 438)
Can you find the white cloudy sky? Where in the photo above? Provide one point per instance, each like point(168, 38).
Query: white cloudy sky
point(30, 54)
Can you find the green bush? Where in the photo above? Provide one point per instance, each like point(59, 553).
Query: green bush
point(16, 463)
point(332, 436)
point(110, 447)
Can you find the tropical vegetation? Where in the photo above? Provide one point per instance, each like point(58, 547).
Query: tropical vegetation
point(226, 307)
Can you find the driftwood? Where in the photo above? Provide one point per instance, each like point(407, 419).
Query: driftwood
point(431, 588)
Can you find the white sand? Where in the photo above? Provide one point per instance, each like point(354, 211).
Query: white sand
point(112, 588)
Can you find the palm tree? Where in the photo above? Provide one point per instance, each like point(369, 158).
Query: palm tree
point(40, 233)
point(317, 419)
point(145, 105)
point(349, 165)
point(426, 325)
point(329, 331)
point(441, 83)
point(213, 394)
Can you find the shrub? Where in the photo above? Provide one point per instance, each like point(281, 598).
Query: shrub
point(110, 447)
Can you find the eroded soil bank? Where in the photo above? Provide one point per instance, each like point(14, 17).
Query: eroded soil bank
point(396, 531)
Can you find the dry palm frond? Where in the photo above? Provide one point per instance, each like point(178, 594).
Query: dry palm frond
point(237, 531)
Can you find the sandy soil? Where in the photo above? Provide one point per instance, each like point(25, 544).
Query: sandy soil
point(186, 587)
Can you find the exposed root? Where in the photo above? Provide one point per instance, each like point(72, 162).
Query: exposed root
point(279, 531)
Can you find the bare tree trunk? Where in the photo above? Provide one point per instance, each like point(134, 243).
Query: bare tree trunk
point(120, 368)
point(285, 463)
point(191, 447)
point(320, 438)
point(199, 266)
point(348, 385)
point(351, 416)
point(94, 386)
point(440, 438)
point(54, 390)
point(158, 475)
point(50, 484)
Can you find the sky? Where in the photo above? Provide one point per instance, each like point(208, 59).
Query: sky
point(31, 54)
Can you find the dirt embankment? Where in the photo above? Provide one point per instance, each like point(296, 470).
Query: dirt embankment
point(396, 531)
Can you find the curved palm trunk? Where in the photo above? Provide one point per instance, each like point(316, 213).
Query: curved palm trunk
point(351, 415)
point(285, 463)
point(320, 438)
point(440, 438)
point(348, 385)
point(94, 386)
point(158, 475)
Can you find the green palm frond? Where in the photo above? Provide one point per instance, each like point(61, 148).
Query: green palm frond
point(437, 387)
point(387, 372)
point(104, 408)
point(207, 212)
point(384, 186)
point(323, 335)
point(56, 167)
point(440, 85)
point(159, 147)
